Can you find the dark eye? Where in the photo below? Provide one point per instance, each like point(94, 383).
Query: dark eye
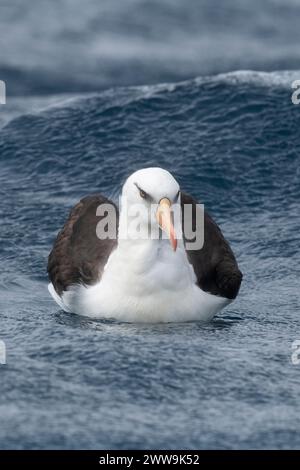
point(143, 194)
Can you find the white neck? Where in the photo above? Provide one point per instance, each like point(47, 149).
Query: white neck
point(149, 263)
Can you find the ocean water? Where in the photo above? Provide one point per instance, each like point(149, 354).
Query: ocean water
point(66, 46)
point(231, 140)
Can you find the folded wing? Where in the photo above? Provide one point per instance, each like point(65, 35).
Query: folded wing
point(214, 264)
point(78, 255)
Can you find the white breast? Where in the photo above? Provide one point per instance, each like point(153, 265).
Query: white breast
point(145, 282)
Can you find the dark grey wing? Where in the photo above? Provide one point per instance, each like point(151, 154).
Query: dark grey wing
point(78, 255)
point(215, 265)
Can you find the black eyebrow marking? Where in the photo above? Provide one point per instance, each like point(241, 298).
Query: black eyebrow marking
point(177, 195)
point(146, 195)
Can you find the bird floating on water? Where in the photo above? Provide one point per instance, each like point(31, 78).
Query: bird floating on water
point(151, 274)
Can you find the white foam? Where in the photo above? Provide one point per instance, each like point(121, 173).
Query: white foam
point(282, 78)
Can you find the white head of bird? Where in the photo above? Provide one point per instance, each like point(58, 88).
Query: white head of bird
point(150, 207)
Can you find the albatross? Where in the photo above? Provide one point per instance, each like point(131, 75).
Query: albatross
point(148, 271)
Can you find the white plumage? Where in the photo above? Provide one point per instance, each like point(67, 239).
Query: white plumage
point(144, 280)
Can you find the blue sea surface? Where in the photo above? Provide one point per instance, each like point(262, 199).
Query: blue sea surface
point(232, 141)
point(73, 46)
